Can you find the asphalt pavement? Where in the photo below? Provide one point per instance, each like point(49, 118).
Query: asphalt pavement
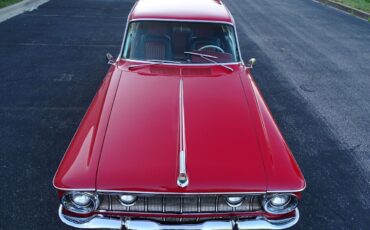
point(52, 61)
point(313, 67)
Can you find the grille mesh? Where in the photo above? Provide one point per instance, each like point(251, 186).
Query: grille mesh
point(169, 204)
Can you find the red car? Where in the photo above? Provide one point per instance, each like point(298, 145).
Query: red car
point(178, 135)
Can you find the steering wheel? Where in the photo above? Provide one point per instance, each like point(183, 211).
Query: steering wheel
point(211, 46)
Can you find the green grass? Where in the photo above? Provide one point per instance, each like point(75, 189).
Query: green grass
point(363, 5)
point(4, 3)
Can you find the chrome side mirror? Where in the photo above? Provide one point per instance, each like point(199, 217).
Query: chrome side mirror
point(110, 58)
point(251, 63)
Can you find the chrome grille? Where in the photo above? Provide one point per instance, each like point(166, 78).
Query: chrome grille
point(167, 220)
point(189, 204)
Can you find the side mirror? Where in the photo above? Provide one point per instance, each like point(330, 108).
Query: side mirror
point(110, 58)
point(251, 63)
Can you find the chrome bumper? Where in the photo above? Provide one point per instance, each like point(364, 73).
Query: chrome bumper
point(98, 221)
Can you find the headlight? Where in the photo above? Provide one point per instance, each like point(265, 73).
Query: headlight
point(80, 202)
point(127, 200)
point(81, 199)
point(280, 200)
point(280, 203)
point(234, 201)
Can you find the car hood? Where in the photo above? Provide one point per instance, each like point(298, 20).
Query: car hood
point(141, 147)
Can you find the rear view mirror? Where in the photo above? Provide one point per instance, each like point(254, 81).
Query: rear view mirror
point(109, 58)
point(251, 63)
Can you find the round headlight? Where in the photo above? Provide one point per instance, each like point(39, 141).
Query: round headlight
point(80, 202)
point(234, 201)
point(280, 200)
point(81, 199)
point(280, 203)
point(127, 200)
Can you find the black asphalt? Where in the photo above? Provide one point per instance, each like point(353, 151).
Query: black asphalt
point(313, 69)
point(52, 62)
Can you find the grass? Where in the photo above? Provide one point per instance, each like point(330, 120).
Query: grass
point(363, 5)
point(4, 3)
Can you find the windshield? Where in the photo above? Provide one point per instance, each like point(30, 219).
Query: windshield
point(178, 41)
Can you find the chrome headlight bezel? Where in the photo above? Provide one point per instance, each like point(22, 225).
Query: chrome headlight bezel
point(70, 204)
point(290, 205)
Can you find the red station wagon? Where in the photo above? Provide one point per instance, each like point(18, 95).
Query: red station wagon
point(178, 135)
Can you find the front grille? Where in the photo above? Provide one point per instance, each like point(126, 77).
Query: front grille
point(187, 204)
point(182, 220)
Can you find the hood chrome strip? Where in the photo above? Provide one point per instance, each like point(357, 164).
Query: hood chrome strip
point(182, 179)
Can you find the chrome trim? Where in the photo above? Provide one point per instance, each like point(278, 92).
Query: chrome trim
point(151, 62)
point(185, 64)
point(76, 189)
point(126, 29)
point(175, 193)
point(288, 191)
point(288, 207)
point(151, 225)
point(180, 193)
point(70, 205)
point(264, 223)
point(99, 221)
point(181, 20)
point(237, 42)
point(191, 205)
point(182, 179)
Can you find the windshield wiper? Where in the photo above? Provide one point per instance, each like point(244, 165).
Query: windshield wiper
point(152, 62)
point(200, 55)
point(210, 59)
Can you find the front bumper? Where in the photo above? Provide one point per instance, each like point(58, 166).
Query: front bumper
point(99, 221)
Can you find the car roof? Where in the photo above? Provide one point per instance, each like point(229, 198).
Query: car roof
point(184, 10)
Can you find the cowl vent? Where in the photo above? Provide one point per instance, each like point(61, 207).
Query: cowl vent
point(165, 70)
point(196, 71)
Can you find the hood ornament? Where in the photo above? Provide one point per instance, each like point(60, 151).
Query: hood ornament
point(182, 179)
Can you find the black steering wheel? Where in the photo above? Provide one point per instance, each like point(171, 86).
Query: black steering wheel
point(211, 46)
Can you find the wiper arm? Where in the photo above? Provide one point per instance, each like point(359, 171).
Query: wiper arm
point(200, 55)
point(163, 61)
point(151, 62)
point(210, 59)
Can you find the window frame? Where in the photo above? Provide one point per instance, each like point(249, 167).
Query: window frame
point(238, 53)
